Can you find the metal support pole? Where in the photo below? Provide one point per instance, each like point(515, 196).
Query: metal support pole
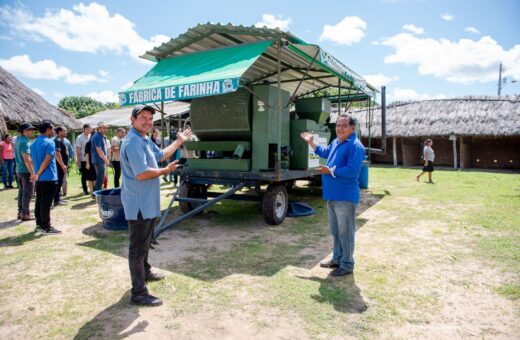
point(162, 124)
point(500, 79)
point(394, 149)
point(278, 166)
point(339, 98)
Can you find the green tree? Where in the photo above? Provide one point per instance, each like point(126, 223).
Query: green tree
point(84, 106)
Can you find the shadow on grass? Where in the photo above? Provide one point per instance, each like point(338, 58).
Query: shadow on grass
point(243, 242)
point(19, 240)
point(340, 292)
point(112, 322)
point(83, 205)
point(10, 224)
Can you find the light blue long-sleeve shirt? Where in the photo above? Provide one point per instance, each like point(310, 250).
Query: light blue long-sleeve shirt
point(347, 157)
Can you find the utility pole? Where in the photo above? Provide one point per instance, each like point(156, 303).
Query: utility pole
point(500, 79)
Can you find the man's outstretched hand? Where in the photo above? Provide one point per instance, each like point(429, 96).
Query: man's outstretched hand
point(307, 137)
point(184, 135)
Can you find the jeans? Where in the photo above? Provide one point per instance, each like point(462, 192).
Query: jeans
point(140, 232)
point(100, 176)
point(7, 172)
point(117, 173)
point(44, 195)
point(342, 225)
point(57, 192)
point(25, 192)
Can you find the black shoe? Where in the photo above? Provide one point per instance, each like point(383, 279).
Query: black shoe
point(329, 264)
point(50, 230)
point(154, 276)
point(85, 193)
point(146, 300)
point(341, 272)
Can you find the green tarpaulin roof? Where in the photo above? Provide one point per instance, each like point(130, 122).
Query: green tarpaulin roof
point(194, 75)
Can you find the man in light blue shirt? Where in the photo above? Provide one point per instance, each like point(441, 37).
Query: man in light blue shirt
point(341, 190)
point(140, 195)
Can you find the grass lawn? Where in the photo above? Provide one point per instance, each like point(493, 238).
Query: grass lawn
point(432, 261)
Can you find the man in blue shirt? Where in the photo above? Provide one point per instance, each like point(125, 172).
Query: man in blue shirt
point(24, 170)
point(100, 158)
point(43, 154)
point(140, 195)
point(341, 190)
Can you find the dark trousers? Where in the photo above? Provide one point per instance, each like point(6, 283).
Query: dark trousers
point(140, 232)
point(25, 192)
point(83, 170)
point(44, 195)
point(57, 193)
point(117, 173)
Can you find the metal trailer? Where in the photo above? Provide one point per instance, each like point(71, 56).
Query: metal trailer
point(242, 83)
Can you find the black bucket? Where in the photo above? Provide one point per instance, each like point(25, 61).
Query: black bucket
point(111, 209)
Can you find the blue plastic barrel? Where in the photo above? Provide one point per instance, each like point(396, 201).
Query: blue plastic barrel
point(363, 175)
point(111, 209)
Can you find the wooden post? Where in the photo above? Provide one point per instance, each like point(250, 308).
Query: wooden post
point(394, 149)
point(454, 140)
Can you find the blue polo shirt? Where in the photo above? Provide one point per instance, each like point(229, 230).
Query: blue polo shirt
point(40, 148)
point(139, 154)
point(21, 146)
point(348, 159)
point(97, 141)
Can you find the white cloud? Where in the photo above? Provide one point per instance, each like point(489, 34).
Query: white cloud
point(38, 91)
point(414, 29)
point(379, 79)
point(86, 28)
point(103, 73)
point(447, 17)
point(45, 69)
point(472, 30)
point(464, 61)
point(399, 94)
point(104, 96)
point(272, 21)
point(348, 31)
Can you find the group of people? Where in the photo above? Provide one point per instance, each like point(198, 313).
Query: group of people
point(141, 162)
point(94, 154)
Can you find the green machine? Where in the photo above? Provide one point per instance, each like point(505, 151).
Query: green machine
point(238, 132)
point(253, 91)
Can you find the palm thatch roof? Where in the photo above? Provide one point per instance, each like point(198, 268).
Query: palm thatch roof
point(19, 104)
point(466, 116)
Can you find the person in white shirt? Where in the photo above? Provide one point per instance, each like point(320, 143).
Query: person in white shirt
point(81, 162)
point(429, 157)
point(115, 147)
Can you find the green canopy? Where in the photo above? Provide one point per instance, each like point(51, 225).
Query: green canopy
point(193, 75)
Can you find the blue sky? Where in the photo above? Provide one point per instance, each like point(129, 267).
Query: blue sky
point(420, 49)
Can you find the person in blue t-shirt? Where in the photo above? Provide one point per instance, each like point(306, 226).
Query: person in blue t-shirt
point(99, 153)
point(43, 154)
point(341, 190)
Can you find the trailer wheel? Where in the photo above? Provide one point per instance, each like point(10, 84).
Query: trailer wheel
point(192, 191)
point(275, 202)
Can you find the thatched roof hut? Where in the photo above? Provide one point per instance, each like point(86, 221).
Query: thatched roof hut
point(470, 131)
point(20, 104)
point(467, 116)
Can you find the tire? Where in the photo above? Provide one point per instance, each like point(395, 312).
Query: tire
point(192, 191)
point(275, 202)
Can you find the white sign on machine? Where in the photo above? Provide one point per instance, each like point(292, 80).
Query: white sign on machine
point(313, 159)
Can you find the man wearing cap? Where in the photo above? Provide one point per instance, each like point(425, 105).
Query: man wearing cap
point(100, 158)
point(43, 154)
point(140, 195)
point(24, 170)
